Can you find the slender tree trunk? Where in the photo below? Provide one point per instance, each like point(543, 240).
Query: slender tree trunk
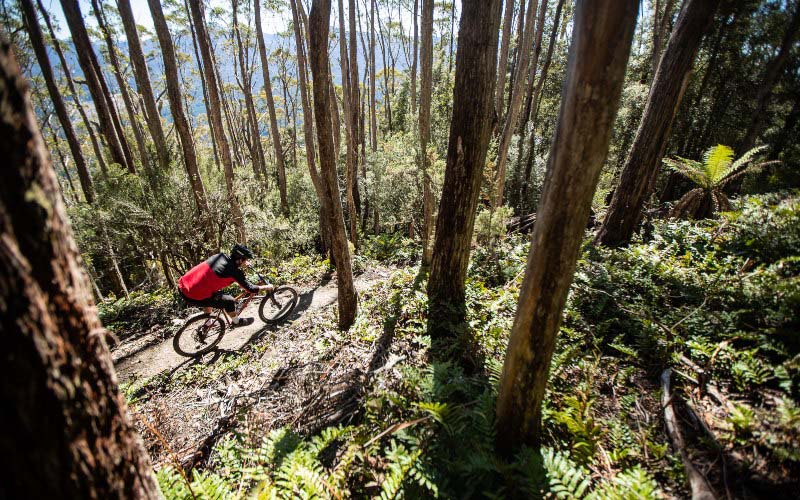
point(94, 80)
point(37, 42)
point(452, 38)
point(318, 27)
point(308, 128)
point(58, 384)
point(64, 163)
point(273, 120)
point(215, 111)
point(414, 59)
point(350, 108)
point(537, 93)
point(601, 43)
point(176, 108)
point(142, 77)
point(773, 71)
point(73, 92)
point(517, 93)
point(470, 131)
point(502, 68)
point(638, 176)
point(373, 116)
point(355, 106)
point(257, 149)
point(123, 88)
point(426, 90)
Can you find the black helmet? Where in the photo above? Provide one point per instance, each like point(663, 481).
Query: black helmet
point(241, 252)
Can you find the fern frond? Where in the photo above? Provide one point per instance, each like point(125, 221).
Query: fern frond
point(690, 169)
point(716, 162)
point(632, 484)
point(567, 479)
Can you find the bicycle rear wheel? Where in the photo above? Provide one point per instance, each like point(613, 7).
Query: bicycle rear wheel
point(278, 305)
point(199, 335)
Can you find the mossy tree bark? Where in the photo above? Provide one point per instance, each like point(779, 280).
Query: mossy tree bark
point(637, 179)
point(69, 431)
point(470, 131)
point(318, 30)
point(601, 43)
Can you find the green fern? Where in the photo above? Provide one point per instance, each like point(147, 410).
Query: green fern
point(632, 484)
point(567, 480)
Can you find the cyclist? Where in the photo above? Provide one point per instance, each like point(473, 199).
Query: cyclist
point(201, 286)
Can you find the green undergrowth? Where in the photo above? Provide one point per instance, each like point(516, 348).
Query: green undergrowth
point(724, 295)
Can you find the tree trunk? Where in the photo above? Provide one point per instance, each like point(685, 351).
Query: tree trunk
point(318, 27)
point(95, 81)
point(414, 59)
point(308, 127)
point(142, 77)
point(58, 383)
point(257, 149)
point(123, 88)
point(215, 112)
point(373, 117)
point(426, 90)
point(601, 43)
point(73, 92)
point(517, 93)
point(274, 131)
point(772, 73)
point(176, 108)
point(37, 42)
point(470, 131)
point(641, 168)
point(537, 94)
point(350, 108)
point(502, 68)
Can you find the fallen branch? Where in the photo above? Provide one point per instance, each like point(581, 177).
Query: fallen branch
point(701, 490)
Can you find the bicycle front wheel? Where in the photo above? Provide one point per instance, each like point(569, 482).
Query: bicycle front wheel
point(199, 335)
point(278, 305)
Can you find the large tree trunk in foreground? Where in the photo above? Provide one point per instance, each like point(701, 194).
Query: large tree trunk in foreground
point(641, 168)
point(274, 131)
point(215, 115)
point(142, 77)
point(426, 92)
point(318, 27)
point(37, 42)
point(470, 130)
point(94, 80)
point(68, 432)
point(601, 43)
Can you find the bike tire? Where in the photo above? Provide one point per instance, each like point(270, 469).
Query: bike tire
point(186, 334)
point(281, 303)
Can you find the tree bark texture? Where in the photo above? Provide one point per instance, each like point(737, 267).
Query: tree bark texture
point(641, 168)
point(601, 43)
point(70, 434)
point(274, 131)
point(142, 78)
point(95, 81)
point(318, 28)
point(37, 42)
point(350, 108)
point(470, 131)
point(426, 92)
point(215, 112)
point(176, 108)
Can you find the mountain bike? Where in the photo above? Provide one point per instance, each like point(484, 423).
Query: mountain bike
point(201, 333)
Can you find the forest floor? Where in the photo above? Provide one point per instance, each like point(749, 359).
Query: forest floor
point(254, 361)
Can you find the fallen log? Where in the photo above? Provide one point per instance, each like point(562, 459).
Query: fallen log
point(701, 490)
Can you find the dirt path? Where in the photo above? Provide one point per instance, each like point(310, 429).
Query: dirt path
point(153, 354)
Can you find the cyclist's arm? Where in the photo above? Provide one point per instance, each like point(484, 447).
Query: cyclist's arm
point(241, 280)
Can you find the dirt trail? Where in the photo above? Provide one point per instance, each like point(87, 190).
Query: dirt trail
point(153, 354)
